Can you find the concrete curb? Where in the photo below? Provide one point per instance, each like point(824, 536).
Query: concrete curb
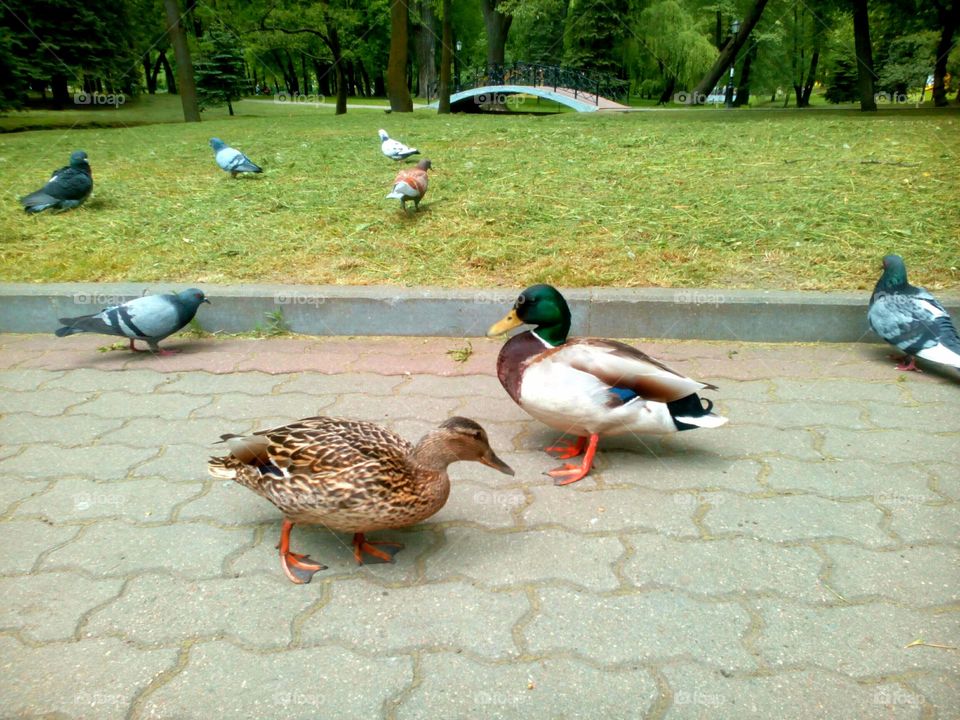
point(749, 315)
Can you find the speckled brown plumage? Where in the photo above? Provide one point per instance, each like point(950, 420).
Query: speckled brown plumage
point(349, 475)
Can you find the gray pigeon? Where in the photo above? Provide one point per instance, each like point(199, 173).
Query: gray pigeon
point(150, 318)
point(911, 319)
point(232, 160)
point(67, 188)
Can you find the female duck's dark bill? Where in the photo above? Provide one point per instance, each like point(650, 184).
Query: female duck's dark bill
point(508, 323)
point(496, 463)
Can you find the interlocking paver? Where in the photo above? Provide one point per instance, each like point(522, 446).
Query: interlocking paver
point(914, 576)
point(24, 541)
point(49, 606)
point(796, 517)
point(78, 500)
point(548, 688)
point(253, 611)
point(609, 510)
point(496, 559)
point(91, 678)
point(640, 627)
point(726, 567)
point(858, 640)
point(112, 548)
point(699, 692)
point(226, 681)
point(451, 615)
point(776, 567)
point(100, 462)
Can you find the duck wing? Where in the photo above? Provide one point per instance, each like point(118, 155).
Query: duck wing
point(622, 366)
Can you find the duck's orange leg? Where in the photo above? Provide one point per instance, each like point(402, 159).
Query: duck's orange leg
point(293, 564)
point(565, 451)
point(569, 473)
point(361, 547)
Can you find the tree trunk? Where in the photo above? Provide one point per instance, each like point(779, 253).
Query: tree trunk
point(718, 39)
point(148, 76)
point(400, 100)
point(303, 74)
point(446, 58)
point(379, 85)
point(323, 77)
point(743, 81)
point(168, 73)
point(338, 61)
point(498, 25)
point(804, 99)
point(188, 90)
point(58, 87)
point(729, 53)
point(667, 91)
point(949, 16)
point(293, 81)
point(364, 78)
point(865, 73)
point(425, 43)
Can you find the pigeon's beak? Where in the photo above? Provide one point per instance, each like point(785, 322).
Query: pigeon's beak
point(207, 301)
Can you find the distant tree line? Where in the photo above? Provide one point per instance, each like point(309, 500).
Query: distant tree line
point(52, 51)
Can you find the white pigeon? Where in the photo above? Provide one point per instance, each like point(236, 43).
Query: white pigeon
point(394, 149)
point(232, 160)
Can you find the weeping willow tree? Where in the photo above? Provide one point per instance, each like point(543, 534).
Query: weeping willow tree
point(682, 53)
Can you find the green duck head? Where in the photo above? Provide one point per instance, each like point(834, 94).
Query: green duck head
point(542, 306)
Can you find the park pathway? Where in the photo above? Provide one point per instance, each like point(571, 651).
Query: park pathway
point(801, 562)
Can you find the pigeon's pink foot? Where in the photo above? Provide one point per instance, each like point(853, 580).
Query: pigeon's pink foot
point(134, 347)
point(162, 352)
point(565, 451)
point(569, 473)
point(909, 364)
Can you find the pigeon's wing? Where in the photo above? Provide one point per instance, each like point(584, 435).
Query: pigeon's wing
point(232, 160)
point(397, 150)
point(916, 323)
point(155, 316)
point(69, 184)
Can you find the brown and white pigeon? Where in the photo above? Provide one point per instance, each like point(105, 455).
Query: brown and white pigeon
point(411, 185)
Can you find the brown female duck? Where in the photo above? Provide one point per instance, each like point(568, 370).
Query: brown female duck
point(350, 476)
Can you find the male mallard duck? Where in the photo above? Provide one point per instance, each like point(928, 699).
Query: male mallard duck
point(350, 476)
point(587, 386)
point(911, 319)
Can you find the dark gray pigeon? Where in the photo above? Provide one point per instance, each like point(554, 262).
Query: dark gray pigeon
point(911, 319)
point(67, 188)
point(232, 160)
point(150, 318)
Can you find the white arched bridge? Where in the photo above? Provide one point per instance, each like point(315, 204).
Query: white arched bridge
point(576, 89)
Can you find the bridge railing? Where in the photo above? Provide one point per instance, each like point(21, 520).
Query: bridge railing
point(590, 87)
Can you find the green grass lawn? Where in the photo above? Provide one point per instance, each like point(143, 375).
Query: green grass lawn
point(712, 198)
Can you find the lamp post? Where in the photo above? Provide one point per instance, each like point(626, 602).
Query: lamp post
point(456, 65)
point(728, 96)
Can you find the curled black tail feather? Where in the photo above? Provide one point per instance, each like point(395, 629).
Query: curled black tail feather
point(689, 408)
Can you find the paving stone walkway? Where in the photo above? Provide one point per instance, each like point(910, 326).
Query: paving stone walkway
point(801, 562)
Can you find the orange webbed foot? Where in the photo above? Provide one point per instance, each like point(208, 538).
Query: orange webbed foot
point(299, 568)
point(570, 473)
point(377, 555)
point(565, 451)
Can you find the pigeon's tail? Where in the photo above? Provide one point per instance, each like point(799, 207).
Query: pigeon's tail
point(403, 190)
point(85, 323)
point(38, 202)
point(247, 166)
